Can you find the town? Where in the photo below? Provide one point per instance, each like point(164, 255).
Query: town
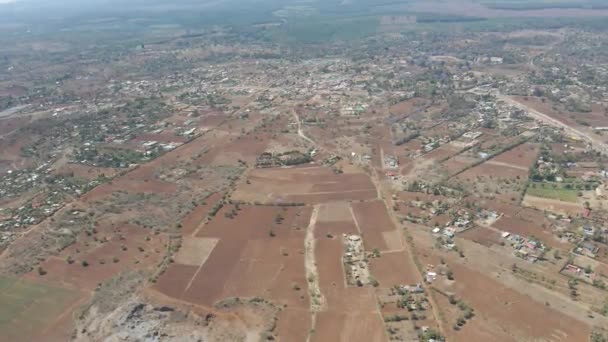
point(416, 183)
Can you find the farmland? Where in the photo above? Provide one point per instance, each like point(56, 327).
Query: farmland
point(304, 171)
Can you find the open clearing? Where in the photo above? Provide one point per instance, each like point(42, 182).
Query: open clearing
point(394, 268)
point(512, 314)
point(28, 308)
point(552, 205)
point(373, 221)
point(304, 185)
point(561, 194)
point(255, 253)
point(87, 263)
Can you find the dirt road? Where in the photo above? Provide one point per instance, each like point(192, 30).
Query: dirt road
point(596, 143)
point(317, 300)
point(300, 132)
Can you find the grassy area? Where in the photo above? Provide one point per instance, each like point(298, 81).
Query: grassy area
point(548, 191)
point(26, 307)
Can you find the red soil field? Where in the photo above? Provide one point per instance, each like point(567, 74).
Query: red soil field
point(373, 220)
point(527, 229)
point(495, 171)
point(211, 120)
point(509, 312)
point(394, 268)
point(349, 327)
point(270, 268)
point(457, 163)
point(8, 125)
point(293, 324)
point(482, 236)
point(532, 215)
point(197, 216)
point(175, 279)
point(246, 148)
point(439, 220)
point(475, 329)
point(336, 229)
point(209, 281)
point(354, 195)
point(304, 185)
point(101, 266)
point(524, 155)
point(247, 261)
point(10, 152)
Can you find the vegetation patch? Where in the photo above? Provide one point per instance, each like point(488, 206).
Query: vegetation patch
point(26, 307)
point(552, 191)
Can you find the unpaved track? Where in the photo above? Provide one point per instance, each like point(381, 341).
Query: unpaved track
point(598, 144)
point(316, 298)
point(300, 132)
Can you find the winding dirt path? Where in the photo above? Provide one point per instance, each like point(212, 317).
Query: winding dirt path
point(300, 131)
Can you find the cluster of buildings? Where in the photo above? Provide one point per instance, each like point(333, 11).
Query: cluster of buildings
point(356, 265)
point(529, 249)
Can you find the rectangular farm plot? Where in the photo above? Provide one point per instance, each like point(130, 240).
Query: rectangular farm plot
point(293, 323)
point(349, 327)
point(496, 171)
point(394, 268)
point(208, 282)
point(270, 268)
point(304, 185)
point(335, 212)
point(245, 222)
point(256, 252)
point(373, 221)
point(174, 281)
point(522, 156)
point(27, 308)
point(482, 236)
